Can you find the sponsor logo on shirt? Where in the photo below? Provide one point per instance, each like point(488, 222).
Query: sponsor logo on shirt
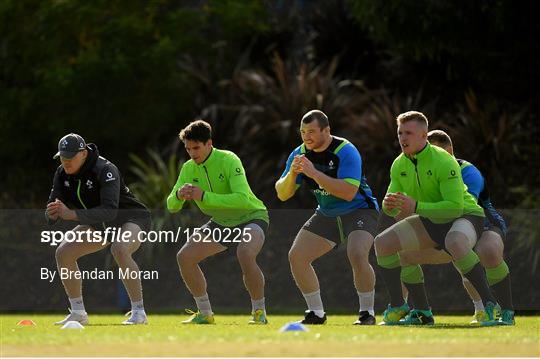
point(66, 183)
point(403, 174)
point(322, 192)
point(110, 177)
point(89, 184)
point(196, 180)
point(221, 177)
point(429, 173)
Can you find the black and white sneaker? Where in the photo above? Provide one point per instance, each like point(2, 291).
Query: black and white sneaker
point(312, 318)
point(365, 319)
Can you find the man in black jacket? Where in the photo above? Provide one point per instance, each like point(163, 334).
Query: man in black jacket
point(89, 189)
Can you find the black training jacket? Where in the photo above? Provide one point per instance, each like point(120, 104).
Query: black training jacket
point(97, 193)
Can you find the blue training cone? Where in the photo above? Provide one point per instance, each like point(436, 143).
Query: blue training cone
point(294, 327)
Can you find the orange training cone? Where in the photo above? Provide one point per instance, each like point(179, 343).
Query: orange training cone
point(26, 322)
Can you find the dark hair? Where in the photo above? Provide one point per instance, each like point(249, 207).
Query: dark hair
point(439, 137)
point(316, 115)
point(199, 131)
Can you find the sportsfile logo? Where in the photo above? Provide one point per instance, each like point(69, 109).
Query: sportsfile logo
point(112, 234)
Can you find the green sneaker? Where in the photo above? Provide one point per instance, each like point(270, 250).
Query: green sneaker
point(258, 317)
point(507, 317)
point(418, 317)
point(487, 318)
point(198, 318)
point(392, 315)
point(478, 317)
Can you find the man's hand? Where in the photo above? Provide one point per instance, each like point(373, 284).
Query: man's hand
point(190, 192)
point(64, 212)
point(295, 165)
point(52, 210)
point(197, 193)
point(391, 202)
point(407, 205)
point(185, 192)
point(306, 167)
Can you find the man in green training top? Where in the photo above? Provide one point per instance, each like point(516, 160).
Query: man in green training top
point(434, 210)
point(216, 181)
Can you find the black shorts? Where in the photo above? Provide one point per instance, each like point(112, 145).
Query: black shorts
point(144, 223)
point(337, 229)
point(384, 221)
point(229, 235)
point(438, 231)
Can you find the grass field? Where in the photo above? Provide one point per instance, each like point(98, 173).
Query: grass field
point(231, 336)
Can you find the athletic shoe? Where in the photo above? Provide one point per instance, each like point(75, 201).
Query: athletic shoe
point(418, 317)
point(258, 317)
point(312, 318)
point(136, 317)
point(478, 317)
point(76, 316)
point(365, 319)
point(507, 317)
point(487, 317)
point(392, 315)
point(198, 318)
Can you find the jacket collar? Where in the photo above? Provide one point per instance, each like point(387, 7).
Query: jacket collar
point(422, 153)
point(210, 159)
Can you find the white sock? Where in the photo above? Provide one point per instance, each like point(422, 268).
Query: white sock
point(367, 300)
point(137, 306)
point(314, 303)
point(258, 304)
point(478, 305)
point(203, 304)
point(77, 304)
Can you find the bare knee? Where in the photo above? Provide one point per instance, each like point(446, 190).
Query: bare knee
point(246, 257)
point(383, 245)
point(358, 257)
point(457, 244)
point(61, 254)
point(358, 254)
point(120, 252)
point(296, 257)
point(490, 251)
point(183, 257)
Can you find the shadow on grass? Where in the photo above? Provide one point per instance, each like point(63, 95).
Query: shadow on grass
point(456, 326)
point(107, 325)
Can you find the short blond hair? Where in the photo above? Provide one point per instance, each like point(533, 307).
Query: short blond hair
point(412, 116)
